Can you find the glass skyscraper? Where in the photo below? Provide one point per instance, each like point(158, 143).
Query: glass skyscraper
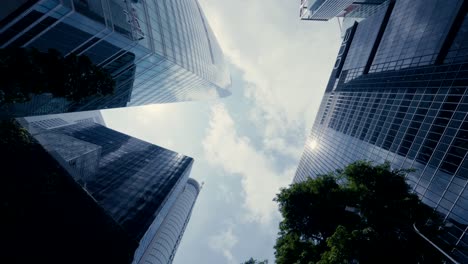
point(323, 10)
point(157, 51)
point(144, 188)
point(34, 123)
point(163, 246)
point(398, 93)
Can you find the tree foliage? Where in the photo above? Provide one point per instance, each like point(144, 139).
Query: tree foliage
point(41, 201)
point(11, 134)
point(254, 261)
point(24, 72)
point(361, 214)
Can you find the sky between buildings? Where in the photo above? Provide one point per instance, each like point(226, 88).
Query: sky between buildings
point(248, 145)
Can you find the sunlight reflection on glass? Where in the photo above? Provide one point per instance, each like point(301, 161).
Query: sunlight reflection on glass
point(313, 144)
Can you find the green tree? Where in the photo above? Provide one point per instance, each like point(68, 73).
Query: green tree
point(363, 213)
point(24, 72)
point(254, 261)
point(11, 134)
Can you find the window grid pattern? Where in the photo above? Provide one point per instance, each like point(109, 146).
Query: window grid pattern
point(131, 180)
point(458, 51)
point(162, 248)
point(380, 117)
point(415, 32)
point(365, 8)
point(49, 123)
point(324, 9)
point(157, 51)
point(441, 169)
point(407, 111)
point(365, 36)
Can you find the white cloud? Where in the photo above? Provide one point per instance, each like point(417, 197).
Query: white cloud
point(143, 120)
point(281, 145)
point(260, 182)
point(223, 243)
point(286, 61)
point(164, 125)
point(201, 94)
point(225, 193)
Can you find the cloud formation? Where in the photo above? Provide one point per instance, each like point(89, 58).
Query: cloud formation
point(224, 147)
point(285, 61)
point(162, 124)
point(223, 243)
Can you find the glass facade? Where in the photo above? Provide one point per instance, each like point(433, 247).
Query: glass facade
point(415, 34)
point(34, 123)
point(157, 51)
point(163, 246)
point(143, 187)
point(130, 179)
point(365, 36)
point(326, 9)
point(402, 97)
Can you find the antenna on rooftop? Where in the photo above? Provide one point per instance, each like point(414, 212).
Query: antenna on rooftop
point(339, 24)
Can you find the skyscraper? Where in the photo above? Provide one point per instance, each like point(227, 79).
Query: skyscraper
point(140, 185)
point(34, 123)
point(398, 93)
point(158, 52)
point(323, 10)
point(163, 246)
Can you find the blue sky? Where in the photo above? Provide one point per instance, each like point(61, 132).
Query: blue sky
point(248, 145)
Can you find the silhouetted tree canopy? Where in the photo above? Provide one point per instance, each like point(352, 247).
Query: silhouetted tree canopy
point(40, 201)
point(24, 72)
point(363, 213)
point(254, 261)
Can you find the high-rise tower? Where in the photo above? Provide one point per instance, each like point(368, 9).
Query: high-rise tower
point(144, 188)
point(163, 246)
point(34, 123)
point(323, 10)
point(346, 11)
point(157, 52)
point(131, 179)
point(398, 93)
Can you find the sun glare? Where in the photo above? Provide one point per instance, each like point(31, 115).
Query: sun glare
point(313, 144)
